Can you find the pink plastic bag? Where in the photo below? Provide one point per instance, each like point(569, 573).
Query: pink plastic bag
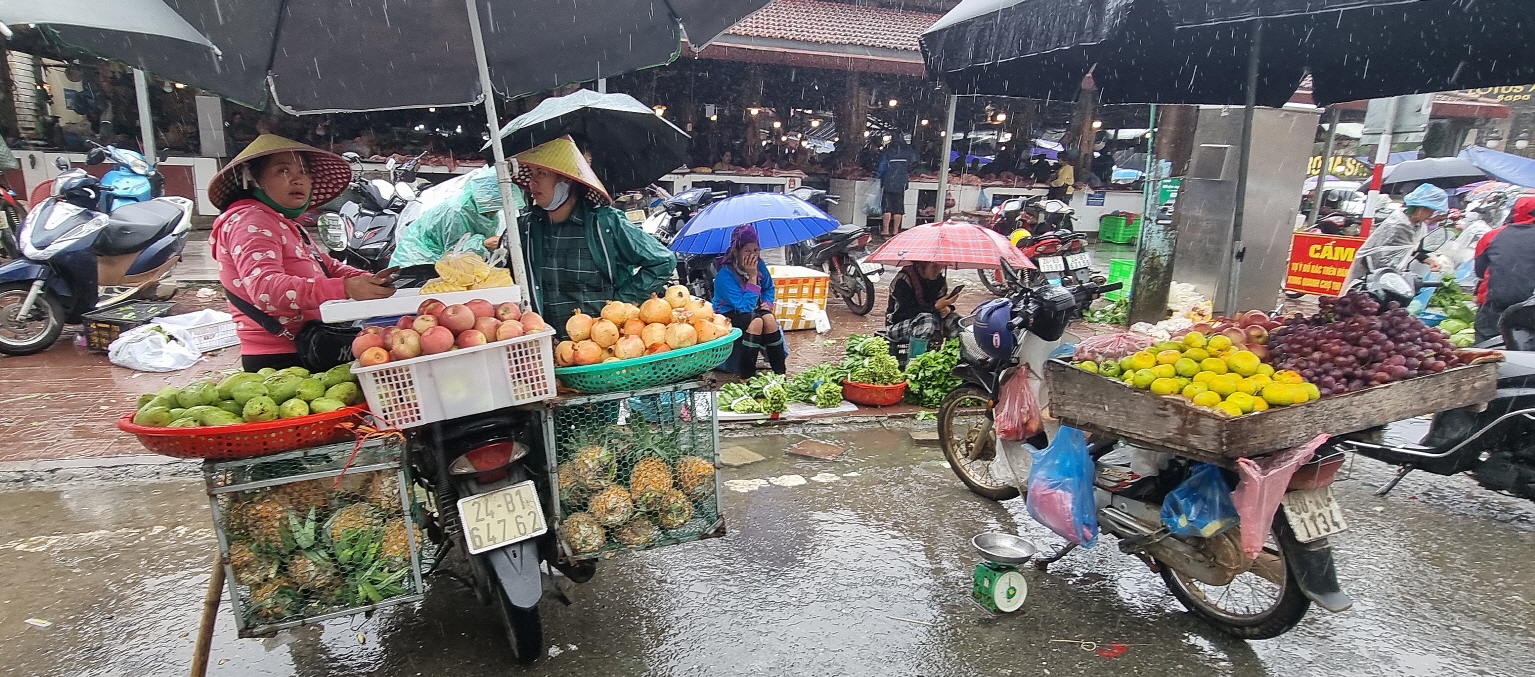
point(1111, 346)
point(1263, 486)
point(1017, 409)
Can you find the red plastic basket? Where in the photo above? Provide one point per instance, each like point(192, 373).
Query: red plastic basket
point(873, 395)
point(247, 440)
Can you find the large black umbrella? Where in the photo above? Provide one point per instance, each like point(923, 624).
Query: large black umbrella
point(1445, 172)
point(631, 145)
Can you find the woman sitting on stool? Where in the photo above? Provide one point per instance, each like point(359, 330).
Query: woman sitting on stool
point(918, 313)
point(743, 292)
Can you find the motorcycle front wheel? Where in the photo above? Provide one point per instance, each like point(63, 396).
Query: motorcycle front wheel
point(1263, 602)
point(969, 443)
point(857, 289)
point(31, 334)
point(995, 281)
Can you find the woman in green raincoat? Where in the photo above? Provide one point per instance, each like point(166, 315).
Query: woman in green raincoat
point(469, 215)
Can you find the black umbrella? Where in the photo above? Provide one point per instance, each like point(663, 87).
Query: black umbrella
point(1445, 172)
point(631, 145)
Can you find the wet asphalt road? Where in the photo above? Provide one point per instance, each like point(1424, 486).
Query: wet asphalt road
point(864, 569)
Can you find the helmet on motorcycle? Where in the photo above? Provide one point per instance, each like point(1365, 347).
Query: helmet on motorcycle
point(991, 331)
point(1019, 235)
point(1049, 319)
point(78, 188)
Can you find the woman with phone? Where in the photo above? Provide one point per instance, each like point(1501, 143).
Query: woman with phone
point(921, 311)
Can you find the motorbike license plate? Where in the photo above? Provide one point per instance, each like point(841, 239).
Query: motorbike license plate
point(1052, 264)
point(501, 517)
point(1313, 514)
point(1079, 261)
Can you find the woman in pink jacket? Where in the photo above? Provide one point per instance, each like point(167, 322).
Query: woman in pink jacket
point(266, 259)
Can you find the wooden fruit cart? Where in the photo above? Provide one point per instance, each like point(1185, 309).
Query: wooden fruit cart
point(1172, 424)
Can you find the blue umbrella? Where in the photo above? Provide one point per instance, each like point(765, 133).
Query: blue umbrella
point(780, 219)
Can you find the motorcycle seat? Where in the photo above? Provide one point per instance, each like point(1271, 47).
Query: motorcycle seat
point(132, 227)
point(842, 231)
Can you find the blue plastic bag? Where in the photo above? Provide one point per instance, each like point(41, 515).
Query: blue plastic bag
point(1061, 488)
point(1201, 505)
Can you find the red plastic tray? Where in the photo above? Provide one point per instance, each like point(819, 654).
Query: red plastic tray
point(873, 395)
point(247, 440)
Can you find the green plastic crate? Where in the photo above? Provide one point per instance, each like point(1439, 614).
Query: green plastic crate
point(1120, 270)
point(1117, 229)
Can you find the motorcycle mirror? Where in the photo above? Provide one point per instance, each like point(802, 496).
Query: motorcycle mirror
point(61, 164)
point(351, 157)
point(95, 156)
point(390, 165)
point(163, 155)
point(409, 175)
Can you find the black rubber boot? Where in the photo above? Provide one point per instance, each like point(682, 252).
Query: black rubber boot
point(747, 366)
point(773, 349)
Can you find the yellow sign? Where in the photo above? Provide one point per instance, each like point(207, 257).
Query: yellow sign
point(1505, 94)
point(1342, 167)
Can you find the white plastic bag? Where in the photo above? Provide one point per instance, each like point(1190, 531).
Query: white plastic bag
point(814, 313)
point(154, 347)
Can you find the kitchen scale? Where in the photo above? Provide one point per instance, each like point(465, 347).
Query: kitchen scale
point(997, 583)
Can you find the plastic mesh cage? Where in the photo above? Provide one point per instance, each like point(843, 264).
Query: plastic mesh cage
point(671, 366)
point(635, 471)
point(316, 534)
point(102, 327)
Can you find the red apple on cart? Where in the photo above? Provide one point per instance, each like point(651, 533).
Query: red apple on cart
point(486, 325)
point(431, 307)
point(436, 340)
point(458, 318)
point(471, 338)
point(423, 323)
point(481, 308)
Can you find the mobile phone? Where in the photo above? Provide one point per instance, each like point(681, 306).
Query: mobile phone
point(954, 293)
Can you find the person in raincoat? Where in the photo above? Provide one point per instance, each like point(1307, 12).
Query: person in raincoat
point(1505, 261)
point(465, 221)
point(1392, 242)
point(581, 251)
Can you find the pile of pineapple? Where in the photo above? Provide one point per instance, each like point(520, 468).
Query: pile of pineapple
point(311, 547)
point(630, 485)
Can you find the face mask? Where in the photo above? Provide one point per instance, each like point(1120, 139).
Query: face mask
point(561, 193)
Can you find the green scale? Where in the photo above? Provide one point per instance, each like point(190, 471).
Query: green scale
point(997, 583)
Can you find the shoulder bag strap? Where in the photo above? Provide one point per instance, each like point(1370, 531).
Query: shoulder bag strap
point(266, 321)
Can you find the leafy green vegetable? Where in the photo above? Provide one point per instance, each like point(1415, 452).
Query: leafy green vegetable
point(880, 370)
point(775, 399)
point(1116, 312)
point(1461, 312)
point(930, 376)
point(746, 405)
point(926, 415)
point(1453, 326)
point(828, 395)
point(1448, 295)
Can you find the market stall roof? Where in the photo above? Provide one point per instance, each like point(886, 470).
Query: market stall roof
point(830, 35)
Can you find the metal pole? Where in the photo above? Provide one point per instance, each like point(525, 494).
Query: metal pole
point(1244, 159)
point(943, 164)
point(1382, 156)
point(1321, 177)
point(602, 85)
point(146, 119)
point(512, 238)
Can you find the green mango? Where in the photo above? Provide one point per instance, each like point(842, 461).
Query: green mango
point(245, 390)
point(186, 422)
point(325, 405)
point(293, 408)
point(296, 371)
point(310, 388)
point(198, 394)
point(178, 412)
point(168, 403)
point(201, 413)
point(144, 399)
point(231, 406)
point(282, 387)
point(157, 417)
point(168, 392)
point(259, 409)
point(266, 371)
point(341, 373)
point(348, 393)
point(226, 386)
point(221, 417)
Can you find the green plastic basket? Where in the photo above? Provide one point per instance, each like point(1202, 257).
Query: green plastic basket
point(648, 371)
point(1120, 270)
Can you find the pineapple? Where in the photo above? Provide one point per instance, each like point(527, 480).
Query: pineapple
point(275, 600)
point(637, 532)
point(671, 508)
point(584, 534)
point(612, 507)
point(572, 493)
point(352, 519)
point(312, 570)
point(384, 492)
point(650, 474)
point(250, 567)
point(264, 520)
point(595, 468)
point(695, 476)
point(395, 550)
point(302, 497)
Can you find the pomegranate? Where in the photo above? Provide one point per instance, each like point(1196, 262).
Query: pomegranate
point(677, 296)
point(632, 327)
point(508, 330)
point(705, 311)
point(653, 333)
point(508, 311)
point(564, 353)
point(372, 356)
point(532, 322)
point(657, 348)
point(365, 341)
point(436, 340)
point(681, 336)
point(423, 323)
point(615, 312)
point(578, 327)
point(707, 331)
point(655, 311)
point(629, 347)
point(586, 352)
point(457, 318)
point(604, 332)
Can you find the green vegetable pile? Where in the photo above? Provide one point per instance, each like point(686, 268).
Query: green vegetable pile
point(763, 394)
point(930, 376)
point(1452, 300)
point(1115, 312)
point(828, 395)
point(869, 361)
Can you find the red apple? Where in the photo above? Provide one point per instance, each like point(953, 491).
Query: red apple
point(1237, 335)
point(481, 308)
point(407, 344)
point(1261, 351)
point(509, 330)
point(406, 322)
point(457, 318)
point(387, 334)
point(486, 325)
point(365, 341)
point(1251, 318)
point(1256, 334)
point(423, 323)
point(373, 330)
point(436, 340)
point(431, 307)
point(372, 356)
point(471, 338)
point(532, 322)
point(508, 311)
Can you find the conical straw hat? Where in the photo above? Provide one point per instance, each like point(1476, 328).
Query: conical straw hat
point(329, 171)
point(561, 157)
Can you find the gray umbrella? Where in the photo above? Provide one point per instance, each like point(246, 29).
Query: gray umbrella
point(631, 146)
point(138, 17)
point(1445, 172)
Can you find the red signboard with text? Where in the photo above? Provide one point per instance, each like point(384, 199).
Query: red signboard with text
point(1319, 263)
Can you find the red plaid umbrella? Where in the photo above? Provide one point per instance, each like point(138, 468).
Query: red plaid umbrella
point(954, 244)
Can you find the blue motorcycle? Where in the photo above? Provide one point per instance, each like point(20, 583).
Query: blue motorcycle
point(132, 180)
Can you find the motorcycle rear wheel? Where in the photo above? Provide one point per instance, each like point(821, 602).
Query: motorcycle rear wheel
point(965, 431)
point(857, 288)
point(524, 627)
point(1279, 608)
point(25, 336)
point(995, 281)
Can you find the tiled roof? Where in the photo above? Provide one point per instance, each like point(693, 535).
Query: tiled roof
point(837, 23)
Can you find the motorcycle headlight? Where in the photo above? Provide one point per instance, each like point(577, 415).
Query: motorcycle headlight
point(138, 166)
point(332, 227)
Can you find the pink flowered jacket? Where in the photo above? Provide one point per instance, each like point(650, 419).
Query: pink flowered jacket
point(263, 259)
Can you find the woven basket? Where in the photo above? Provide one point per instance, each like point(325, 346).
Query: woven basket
point(671, 366)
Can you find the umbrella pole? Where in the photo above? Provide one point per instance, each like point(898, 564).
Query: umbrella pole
point(511, 237)
point(1321, 177)
point(943, 163)
point(1382, 156)
point(146, 119)
point(1244, 159)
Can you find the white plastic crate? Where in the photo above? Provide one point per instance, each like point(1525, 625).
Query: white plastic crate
point(433, 388)
point(212, 336)
point(405, 302)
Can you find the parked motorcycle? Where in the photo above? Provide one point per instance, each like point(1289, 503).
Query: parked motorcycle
point(73, 255)
point(1059, 252)
point(132, 179)
point(361, 226)
point(12, 214)
point(1250, 599)
point(695, 271)
point(837, 254)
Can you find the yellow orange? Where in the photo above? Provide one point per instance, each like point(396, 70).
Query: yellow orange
point(1248, 386)
point(1164, 371)
point(1142, 360)
point(1207, 399)
point(1204, 376)
point(1230, 408)
point(1266, 369)
point(1242, 400)
point(1223, 385)
point(1278, 394)
point(1289, 377)
point(1312, 392)
point(1259, 404)
point(1164, 386)
point(1219, 342)
point(1169, 356)
point(1243, 362)
point(1194, 339)
point(1214, 364)
point(1194, 389)
point(1197, 354)
point(1143, 378)
point(1186, 367)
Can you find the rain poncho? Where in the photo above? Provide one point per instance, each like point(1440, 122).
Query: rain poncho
point(1392, 242)
point(469, 216)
